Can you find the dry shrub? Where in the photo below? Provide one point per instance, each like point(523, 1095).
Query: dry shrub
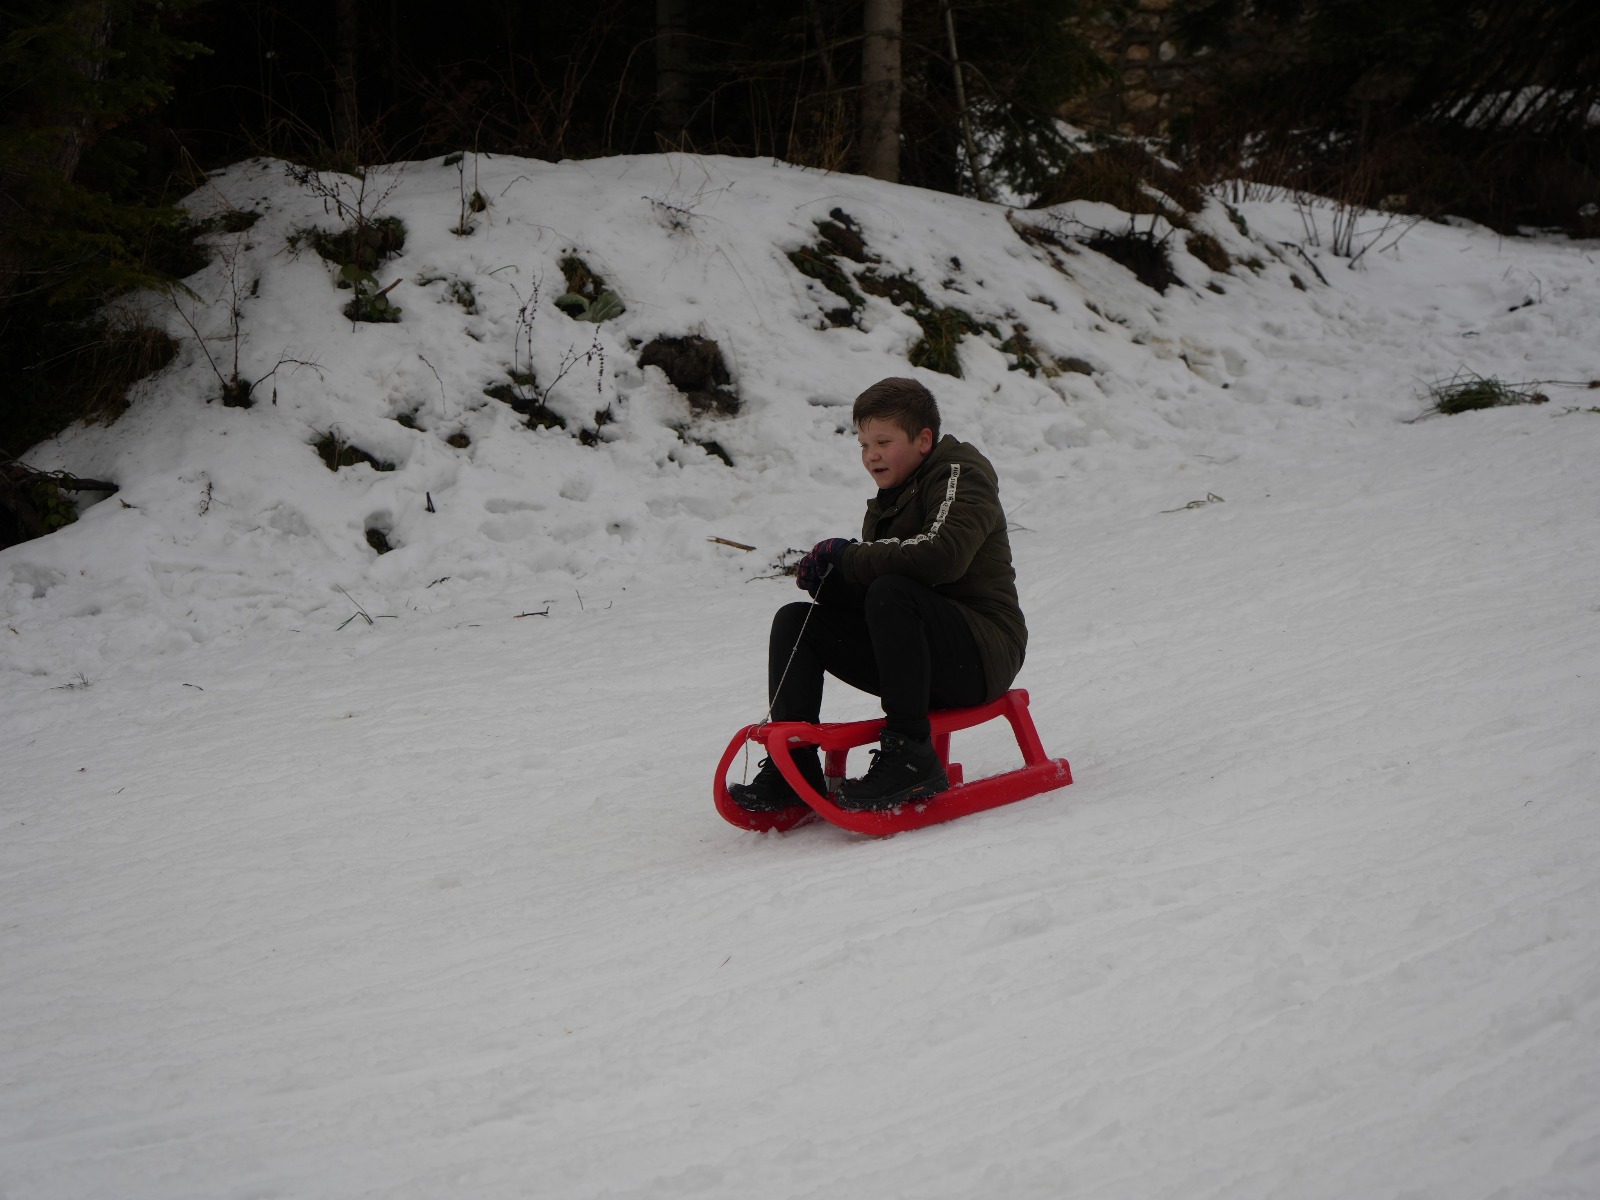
point(1123, 175)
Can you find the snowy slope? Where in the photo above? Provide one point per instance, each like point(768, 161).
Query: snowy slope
point(302, 905)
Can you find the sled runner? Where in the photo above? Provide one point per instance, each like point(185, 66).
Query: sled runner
point(1039, 772)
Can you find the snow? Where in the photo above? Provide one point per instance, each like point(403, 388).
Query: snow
point(334, 874)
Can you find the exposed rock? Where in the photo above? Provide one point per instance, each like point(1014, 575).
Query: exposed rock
point(694, 366)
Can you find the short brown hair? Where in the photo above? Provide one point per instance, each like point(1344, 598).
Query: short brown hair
point(902, 402)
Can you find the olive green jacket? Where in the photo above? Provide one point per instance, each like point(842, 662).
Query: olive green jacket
point(945, 528)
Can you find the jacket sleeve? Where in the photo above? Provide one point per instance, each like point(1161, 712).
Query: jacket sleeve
point(960, 510)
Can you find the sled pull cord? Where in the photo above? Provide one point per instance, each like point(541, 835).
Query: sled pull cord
point(799, 637)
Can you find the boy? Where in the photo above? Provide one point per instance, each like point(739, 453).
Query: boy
point(921, 612)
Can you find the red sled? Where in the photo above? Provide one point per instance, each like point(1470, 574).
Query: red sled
point(1039, 772)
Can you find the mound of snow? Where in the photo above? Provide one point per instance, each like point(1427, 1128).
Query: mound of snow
point(228, 521)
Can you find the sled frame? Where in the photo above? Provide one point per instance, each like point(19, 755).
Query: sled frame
point(1039, 772)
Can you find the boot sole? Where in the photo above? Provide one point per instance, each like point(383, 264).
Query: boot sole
point(920, 791)
point(753, 805)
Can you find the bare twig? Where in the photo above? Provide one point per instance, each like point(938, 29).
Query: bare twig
point(1310, 262)
point(359, 612)
point(443, 399)
point(1211, 498)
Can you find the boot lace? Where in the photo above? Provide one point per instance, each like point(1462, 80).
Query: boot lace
point(878, 768)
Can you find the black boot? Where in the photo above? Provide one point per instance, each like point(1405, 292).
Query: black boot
point(769, 791)
point(902, 770)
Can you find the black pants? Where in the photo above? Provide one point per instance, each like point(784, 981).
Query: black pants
point(897, 639)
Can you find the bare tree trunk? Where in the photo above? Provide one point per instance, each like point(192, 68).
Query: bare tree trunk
point(68, 129)
point(961, 103)
point(346, 112)
point(92, 23)
point(880, 90)
point(672, 71)
point(819, 35)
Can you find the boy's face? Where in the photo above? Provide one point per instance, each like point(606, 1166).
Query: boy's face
point(889, 453)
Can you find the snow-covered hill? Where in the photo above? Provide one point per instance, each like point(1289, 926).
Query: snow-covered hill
point(331, 872)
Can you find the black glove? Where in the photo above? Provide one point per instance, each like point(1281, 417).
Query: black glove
point(824, 556)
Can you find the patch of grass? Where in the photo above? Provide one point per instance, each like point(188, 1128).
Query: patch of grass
point(335, 453)
point(581, 281)
point(842, 236)
point(942, 331)
point(1209, 251)
point(838, 237)
point(942, 327)
point(365, 245)
point(123, 356)
point(815, 263)
point(357, 251)
point(899, 290)
point(1469, 392)
point(461, 291)
point(1025, 356)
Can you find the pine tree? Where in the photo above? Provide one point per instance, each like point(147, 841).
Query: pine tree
point(74, 229)
point(78, 73)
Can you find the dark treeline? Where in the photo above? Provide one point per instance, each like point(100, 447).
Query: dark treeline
point(1487, 109)
point(376, 80)
point(112, 109)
